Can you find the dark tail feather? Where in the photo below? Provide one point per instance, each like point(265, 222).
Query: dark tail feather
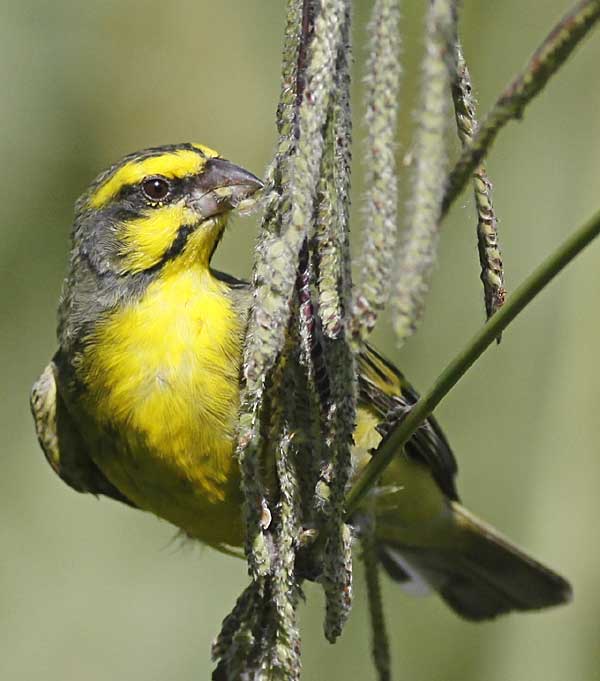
point(484, 576)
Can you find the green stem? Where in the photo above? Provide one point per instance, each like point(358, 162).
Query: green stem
point(544, 63)
point(380, 644)
point(536, 281)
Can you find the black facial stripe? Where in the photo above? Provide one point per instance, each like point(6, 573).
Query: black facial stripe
point(122, 214)
point(177, 245)
point(132, 194)
point(178, 242)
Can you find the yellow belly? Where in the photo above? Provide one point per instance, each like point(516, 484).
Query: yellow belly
point(161, 406)
point(162, 394)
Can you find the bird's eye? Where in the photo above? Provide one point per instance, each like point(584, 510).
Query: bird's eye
point(156, 188)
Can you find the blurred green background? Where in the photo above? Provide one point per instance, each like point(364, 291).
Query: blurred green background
point(92, 590)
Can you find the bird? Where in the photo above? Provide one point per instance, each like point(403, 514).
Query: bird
point(140, 401)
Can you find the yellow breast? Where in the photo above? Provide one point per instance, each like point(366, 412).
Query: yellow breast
point(162, 386)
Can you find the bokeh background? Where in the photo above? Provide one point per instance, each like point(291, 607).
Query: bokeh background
point(92, 590)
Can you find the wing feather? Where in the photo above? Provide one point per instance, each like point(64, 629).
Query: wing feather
point(384, 389)
point(62, 443)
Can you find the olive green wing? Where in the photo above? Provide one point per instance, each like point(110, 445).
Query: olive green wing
point(61, 441)
point(384, 389)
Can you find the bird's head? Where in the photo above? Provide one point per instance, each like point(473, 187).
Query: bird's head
point(157, 206)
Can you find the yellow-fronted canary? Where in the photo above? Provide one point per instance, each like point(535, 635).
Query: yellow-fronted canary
point(140, 402)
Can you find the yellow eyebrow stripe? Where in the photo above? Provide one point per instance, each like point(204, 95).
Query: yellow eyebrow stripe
point(207, 151)
point(176, 164)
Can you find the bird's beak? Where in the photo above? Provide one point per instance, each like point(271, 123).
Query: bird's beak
point(222, 186)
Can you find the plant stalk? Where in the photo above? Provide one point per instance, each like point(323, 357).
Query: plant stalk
point(544, 63)
point(523, 295)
